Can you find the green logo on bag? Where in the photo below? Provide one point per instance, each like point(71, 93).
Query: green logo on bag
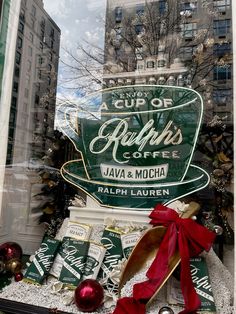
point(136, 143)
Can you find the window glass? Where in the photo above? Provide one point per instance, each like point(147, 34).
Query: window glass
point(21, 27)
point(150, 64)
point(222, 96)
point(139, 28)
point(222, 72)
point(33, 10)
point(222, 49)
point(221, 5)
point(18, 57)
point(186, 53)
point(32, 22)
point(17, 71)
point(189, 30)
point(15, 87)
point(31, 37)
point(30, 51)
point(118, 14)
point(162, 6)
point(140, 9)
point(19, 42)
point(29, 64)
point(222, 27)
point(22, 15)
point(112, 108)
point(188, 6)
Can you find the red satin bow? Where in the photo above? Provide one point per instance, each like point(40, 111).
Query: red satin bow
point(184, 235)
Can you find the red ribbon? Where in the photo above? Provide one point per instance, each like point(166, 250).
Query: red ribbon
point(183, 235)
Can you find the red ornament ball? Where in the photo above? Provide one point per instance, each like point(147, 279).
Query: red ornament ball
point(88, 295)
point(10, 250)
point(18, 276)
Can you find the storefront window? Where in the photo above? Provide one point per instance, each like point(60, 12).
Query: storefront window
point(117, 156)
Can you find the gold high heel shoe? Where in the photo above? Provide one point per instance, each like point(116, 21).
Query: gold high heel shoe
point(146, 249)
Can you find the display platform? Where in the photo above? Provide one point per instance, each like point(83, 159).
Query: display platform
point(13, 307)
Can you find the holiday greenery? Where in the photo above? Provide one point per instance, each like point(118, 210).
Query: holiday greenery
point(57, 193)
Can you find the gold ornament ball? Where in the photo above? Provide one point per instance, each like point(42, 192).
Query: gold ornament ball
point(14, 265)
point(51, 183)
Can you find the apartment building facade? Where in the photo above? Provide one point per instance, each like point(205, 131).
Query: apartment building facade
point(34, 85)
point(28, 117)
point(185, 43)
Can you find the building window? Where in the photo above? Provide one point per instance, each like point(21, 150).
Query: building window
point(188, 7)
point(41, 46)
point(150, 64)
point(9, 152)
point(12, 119)
point(40, 60)
point(40, 74)
point(222, 73)
point(118, 14)
point(221, 5)
point(31, 37)
point(189, 30)
point(42, 23)
point(42, 35)
point(186, 53)
point(162, 6)
point(161, 63)
point(30, 51)
point(222, 49)
point(25, 107)
point(19, 43)
point(221, 27)
point(50, 56)
point(52, 33)
point(18, 57)
point(139, 53)
point(24, 120)
point(49, 80)
point(22, 15)
point(140, 9)
point(139, 29)
point(28, 65)
point(52, 44)
point(33, 11)
point(118, 31)
point(222, 96)
point(13, 102)
point(15, 87)
point(37, 87)
point(17, 71)
point(21, 27)
point(26, 93)
point(36, 100)
point(32, 23)
point(49, 67)
point(27, 79)
point(140, 67)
